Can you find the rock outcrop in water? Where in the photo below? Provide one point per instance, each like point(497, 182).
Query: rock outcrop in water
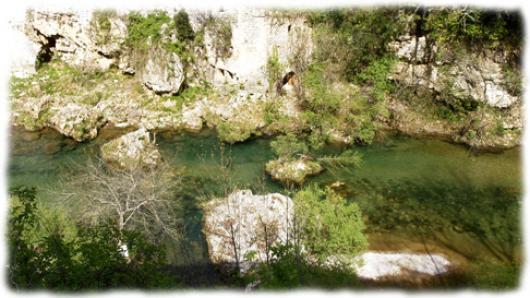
point(132, 150)
point(395, 265)
point(241, 228)
point(292, 171)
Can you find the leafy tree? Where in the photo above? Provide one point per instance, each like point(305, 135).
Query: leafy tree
point(450, 25)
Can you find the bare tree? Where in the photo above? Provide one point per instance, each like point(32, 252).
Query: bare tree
point(131, 198)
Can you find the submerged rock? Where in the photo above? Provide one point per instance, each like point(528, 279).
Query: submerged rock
point(289, 171)
point(132, 150)
point(383, 265)
point(242, 227)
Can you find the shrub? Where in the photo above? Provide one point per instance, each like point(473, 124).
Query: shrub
point(355, 38)
point(233, 132)
point(329, 225)
point(274, 69)
point(182, 24)
point(469, 25)
point(144, 31)
point(45, 253)
point(288, 146)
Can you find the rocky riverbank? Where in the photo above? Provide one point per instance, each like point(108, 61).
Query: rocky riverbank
point(101, 74)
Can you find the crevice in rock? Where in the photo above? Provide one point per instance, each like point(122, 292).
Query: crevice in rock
point(46, 51)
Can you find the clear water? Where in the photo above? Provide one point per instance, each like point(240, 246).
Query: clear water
point(416, 195)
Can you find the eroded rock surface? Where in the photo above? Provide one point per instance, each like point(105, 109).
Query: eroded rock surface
point(80, 122)
point(132, 150)
point(164, 72)
point(479, 76)
point(292, 171)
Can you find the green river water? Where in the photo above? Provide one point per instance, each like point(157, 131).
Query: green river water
point(416, 195)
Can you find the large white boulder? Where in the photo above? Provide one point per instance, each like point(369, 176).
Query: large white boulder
point(242, 227)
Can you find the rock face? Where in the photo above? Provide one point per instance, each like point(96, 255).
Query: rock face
point(132, 150)
point(22, 51)
point(76, 37)
point(80, 122)
point(292, 171)
point(255, 35)
point(242, 227)
point(164, 72)
point(478, 77)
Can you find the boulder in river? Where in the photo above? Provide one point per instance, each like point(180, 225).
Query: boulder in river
point(292, 171)
point(241, 228)
point(399, 265)
point(131, 150)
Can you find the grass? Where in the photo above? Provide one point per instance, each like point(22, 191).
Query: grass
point(101, 22)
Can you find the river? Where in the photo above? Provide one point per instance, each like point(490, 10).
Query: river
point(416, 195)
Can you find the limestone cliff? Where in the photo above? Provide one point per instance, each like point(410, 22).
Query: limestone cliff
point(239, 73)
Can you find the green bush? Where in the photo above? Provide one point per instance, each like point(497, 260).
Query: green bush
point(233, 132)
point(330, 225)
point(357, 36)
point(274, 69)
point(288, 269)
point(145, 31)
point(469, 25)
point(182, 24)
point(376, 76)
point(288, 146)
point(70, 261)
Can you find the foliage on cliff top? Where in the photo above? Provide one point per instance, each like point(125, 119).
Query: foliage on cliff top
point(353, 38)
point(144, 29)
point(471, 25)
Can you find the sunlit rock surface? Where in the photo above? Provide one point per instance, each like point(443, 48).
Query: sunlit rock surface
point(289, 171)
point(379, 265)
point(242, 227)
point(132, 150)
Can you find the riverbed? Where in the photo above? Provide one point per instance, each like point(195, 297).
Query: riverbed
point(416, 195)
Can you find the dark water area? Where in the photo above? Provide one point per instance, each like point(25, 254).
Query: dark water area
point(416, 195)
